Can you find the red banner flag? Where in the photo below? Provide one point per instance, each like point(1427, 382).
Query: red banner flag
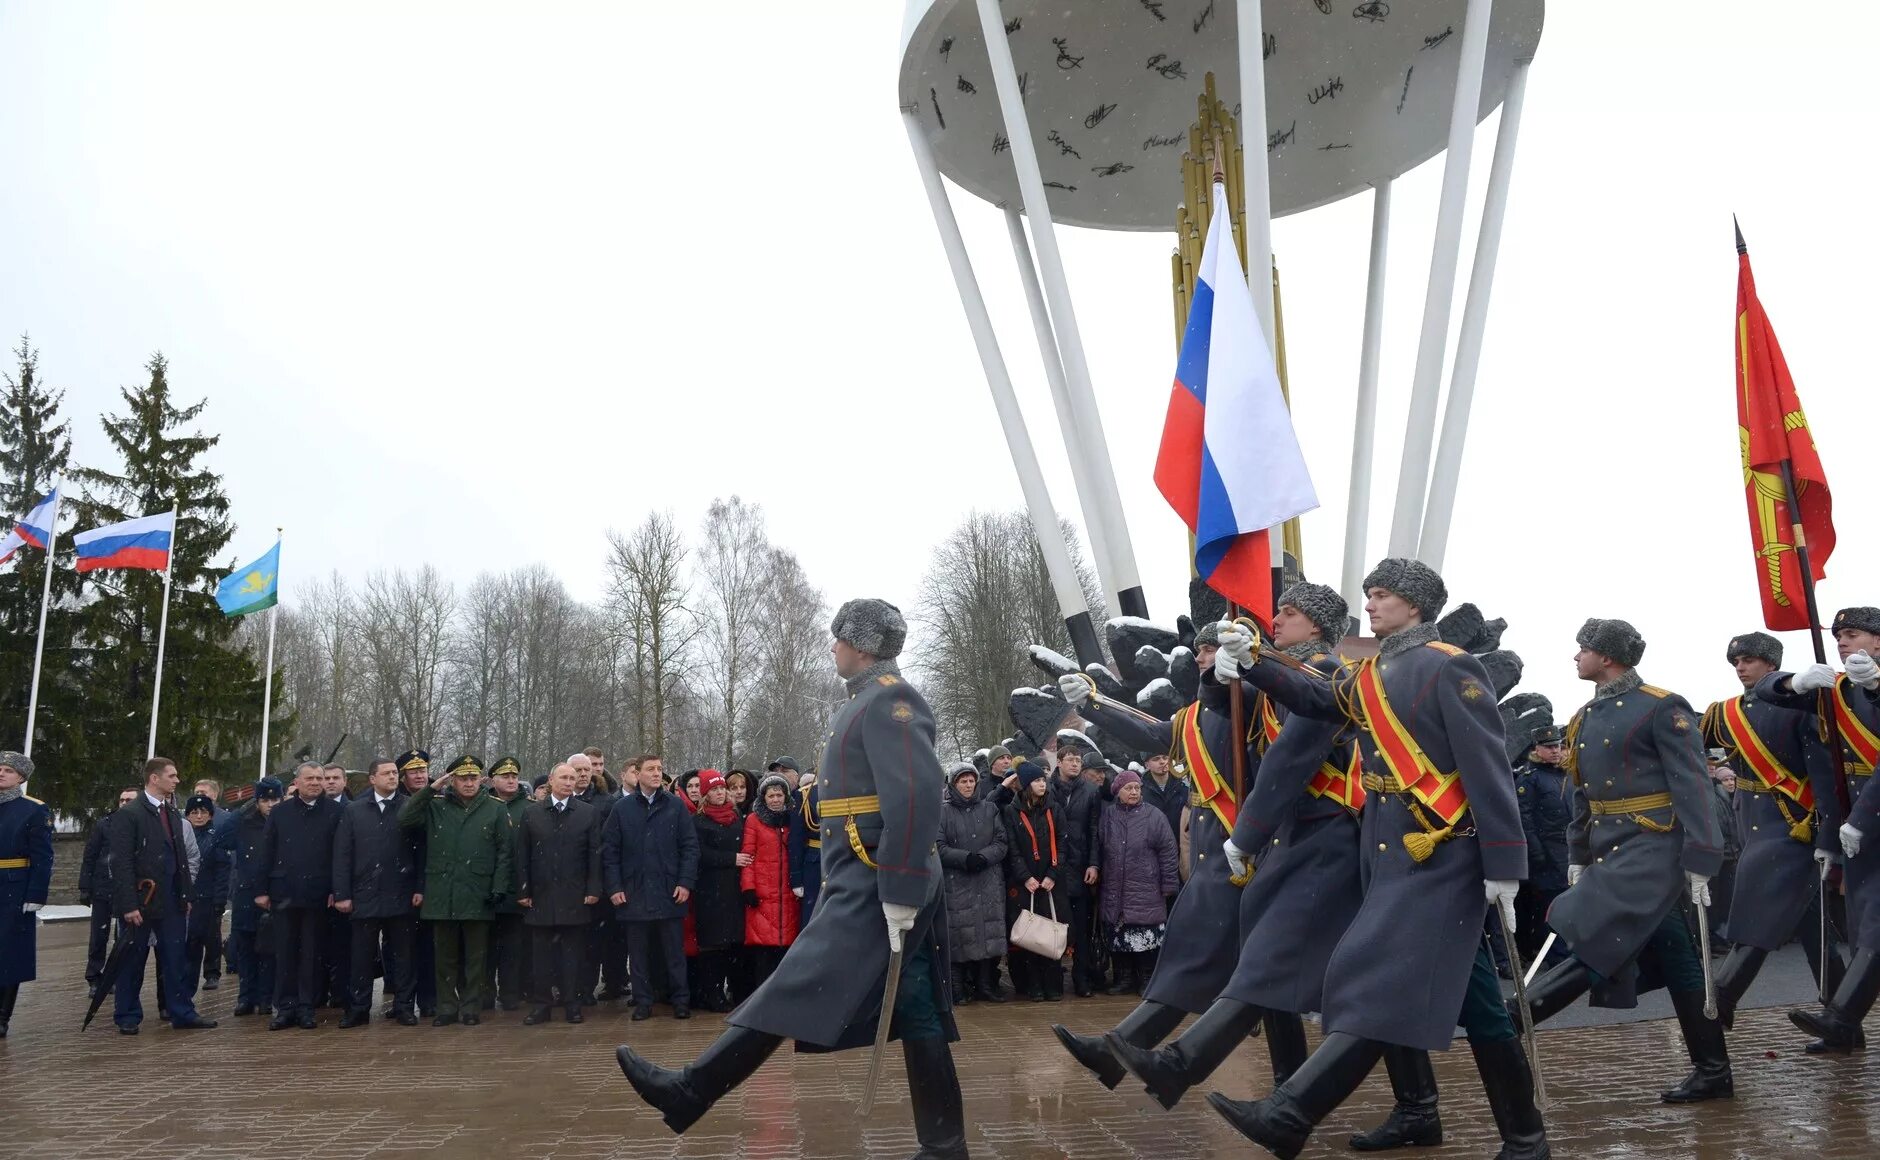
point(1774, 436)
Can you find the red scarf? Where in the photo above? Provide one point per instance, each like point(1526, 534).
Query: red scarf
point(724, 815)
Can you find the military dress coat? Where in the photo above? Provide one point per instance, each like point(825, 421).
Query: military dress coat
point(827, 992)
point(1777, 879)
point(1862, 873)
point(1307, 883)
point(467, 854)
point(25, 876)
point(1202, 943)
point(1399, 973)
point(1633, 741)
point(1546, 811)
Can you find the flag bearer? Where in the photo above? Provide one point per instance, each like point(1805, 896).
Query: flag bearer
point(1441, 840)
point(1644, 833)
point(1786, 819)
point(1856, 727)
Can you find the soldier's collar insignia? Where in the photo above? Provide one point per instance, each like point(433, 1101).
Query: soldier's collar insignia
point(902, 711)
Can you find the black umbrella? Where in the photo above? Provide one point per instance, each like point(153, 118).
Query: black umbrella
point(114, 962)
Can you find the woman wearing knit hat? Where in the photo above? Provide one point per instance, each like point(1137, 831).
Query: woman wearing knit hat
point(973, 843)
point(718, 903)
point(1136, 852)
point(1035, 829)
point(771, 909)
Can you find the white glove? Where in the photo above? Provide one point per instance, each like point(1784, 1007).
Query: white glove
point(32, 907)
point(1826, 861)
point(1850, 840)
point(797, 890)
point(1236, 858)
point(900, 921)
point(1862, 670)
point(1226, 667)
point(1501, 892)
point(1814, 677)
point(1076, 689)
point(1700, 888)
point(1236, 642)
point(1573, 874)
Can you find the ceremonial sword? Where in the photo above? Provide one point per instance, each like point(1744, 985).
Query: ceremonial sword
point(882, 1022)
point(1534, 968)
point(1703, 956)
point(1521, 1000)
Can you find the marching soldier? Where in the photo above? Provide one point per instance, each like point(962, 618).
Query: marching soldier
point(1784, 783)
point(880, 808)
point(1198, 958)
point(25, 878)
point(1441, 840)
point(1297, 839)
point(1856, 726)
point(1644, 831)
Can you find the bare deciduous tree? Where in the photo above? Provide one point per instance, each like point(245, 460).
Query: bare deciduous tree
point(733, 562)
point(646, 597)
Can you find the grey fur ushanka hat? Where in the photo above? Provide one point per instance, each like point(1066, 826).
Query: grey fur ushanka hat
point(872, 626)
point(1613, 638)
point(1860, 619)
point(1321, 605)
point(1413, 580)
point(1757, 645)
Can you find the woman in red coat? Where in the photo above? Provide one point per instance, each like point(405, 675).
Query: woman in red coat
point(770, 907)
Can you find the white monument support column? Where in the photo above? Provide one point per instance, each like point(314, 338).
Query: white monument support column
point(1254, 178)
point(1087, 439)
point(1031, 483)
point(1442, 505)
point(1081, 468)
point(1364, 427)
point(1413, 475)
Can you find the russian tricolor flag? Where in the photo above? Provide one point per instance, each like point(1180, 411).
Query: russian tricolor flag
point(1230, 464)
point(138, 543)
point(35, 529)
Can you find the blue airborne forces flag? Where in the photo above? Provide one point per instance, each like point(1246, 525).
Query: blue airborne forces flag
point(253, 587)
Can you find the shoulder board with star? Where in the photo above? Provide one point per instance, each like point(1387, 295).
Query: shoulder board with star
point(1445, 648)
point(1654, 691)
point(887, 680)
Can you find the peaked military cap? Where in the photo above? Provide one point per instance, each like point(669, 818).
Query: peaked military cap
point(1860, 619)
point(1755, 645)
point(414, 759)
point(465, 766)
point(1545, 735)
point(269, 789)
point(506, 765)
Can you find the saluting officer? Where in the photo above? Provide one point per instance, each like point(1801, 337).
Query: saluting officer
point(25, 878)
point(1644, 831)
point(1198, 957)
point(1836, 1025)
point(1786, 819)
point(1441, 842)
point(880, 807)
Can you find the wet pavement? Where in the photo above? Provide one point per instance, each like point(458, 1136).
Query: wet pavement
point(502, 1089)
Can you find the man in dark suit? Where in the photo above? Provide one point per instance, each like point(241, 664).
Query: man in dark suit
point(94, 886)
point(376, 883)
point(558, 869)
point(151, 888)
point(297, 860)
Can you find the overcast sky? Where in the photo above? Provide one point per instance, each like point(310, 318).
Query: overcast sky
point(469, 284)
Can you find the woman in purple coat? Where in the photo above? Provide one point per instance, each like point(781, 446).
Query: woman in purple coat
point(1136, 870)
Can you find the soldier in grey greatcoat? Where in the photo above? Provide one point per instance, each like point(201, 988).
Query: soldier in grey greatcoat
point(1203, 940)
point(880, 805)
point(1644, 832)
point(1299, 833)
point(1441, 841)
point(1836, 1026)
point(1786, 831)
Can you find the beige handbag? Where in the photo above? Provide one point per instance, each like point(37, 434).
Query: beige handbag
point(1034, 932)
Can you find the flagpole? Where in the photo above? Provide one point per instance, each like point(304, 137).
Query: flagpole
point(45, 601)
point(267, 678)
point(163, 631)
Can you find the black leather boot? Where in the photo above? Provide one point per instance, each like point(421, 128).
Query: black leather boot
point(989, 981)
point(1553, 992)
point(1146, 1026)
point(1509, 1086)
point(683, 1096)
point(1703, 1038)
point(1125, 975)
point(8, 997)
point(1283, 1121)
point(1415, 1121)
point(1734, 975)
point(1167, 1073)
point(1836, 1027)
point(1285, 1043)
point(933, 1087)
